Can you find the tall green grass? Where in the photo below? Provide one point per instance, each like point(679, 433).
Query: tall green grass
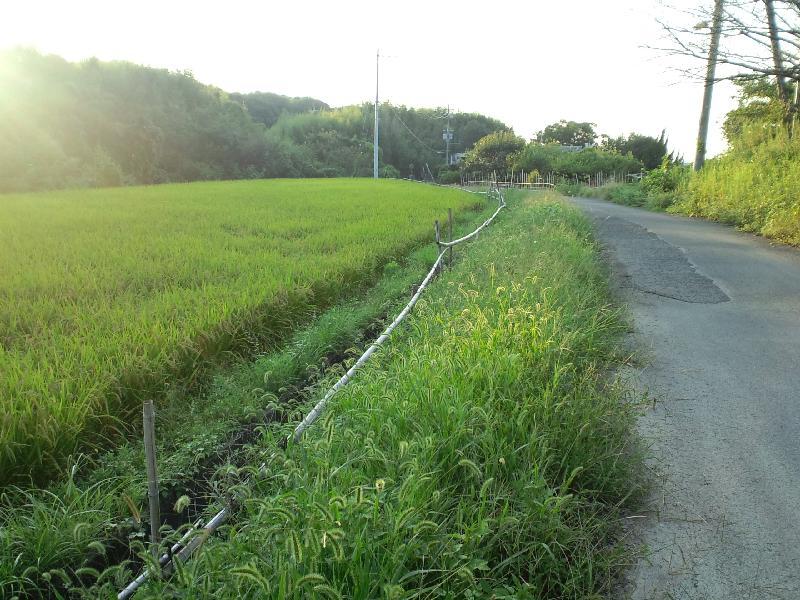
point(754, 188)
point(483, 454)
point(111, 296)
point(656, 191)
point(627, 194)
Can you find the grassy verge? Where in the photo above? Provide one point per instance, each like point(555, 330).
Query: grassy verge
point(481, 455)
point(754, 189)
point(627, 194)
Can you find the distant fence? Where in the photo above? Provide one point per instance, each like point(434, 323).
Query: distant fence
point(535, 180)
point(530, 185)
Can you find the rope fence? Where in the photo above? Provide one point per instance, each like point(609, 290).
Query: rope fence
point(197, 535)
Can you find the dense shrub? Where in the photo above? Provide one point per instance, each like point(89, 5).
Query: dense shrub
point(629, 194)
point(667, 178)
point(551, 159)
point(389, 172)
point(449, 177)
point(757, 193)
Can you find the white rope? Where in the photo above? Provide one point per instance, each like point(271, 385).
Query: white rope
point(345, 379)
point(164, 560)
point(320, 406)
point(476, 232)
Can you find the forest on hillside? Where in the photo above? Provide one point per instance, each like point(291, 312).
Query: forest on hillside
point(97, 123)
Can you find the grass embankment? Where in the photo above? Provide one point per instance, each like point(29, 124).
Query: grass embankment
point(108, 297)
point(753, 187)
point(627, 194)
point(656, 191)
point(480, 455)
point(56, 539)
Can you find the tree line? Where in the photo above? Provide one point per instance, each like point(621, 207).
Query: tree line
point(97, 123)
point(568, 149)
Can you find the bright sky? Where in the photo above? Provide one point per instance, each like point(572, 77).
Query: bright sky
point(526, 62)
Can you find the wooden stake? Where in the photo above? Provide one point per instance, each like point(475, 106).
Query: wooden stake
point(450, 237)
point(438, 240)
point(149, 419)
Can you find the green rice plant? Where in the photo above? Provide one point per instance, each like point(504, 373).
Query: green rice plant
point(483, 454)
point(111, 296)
point(193, 434)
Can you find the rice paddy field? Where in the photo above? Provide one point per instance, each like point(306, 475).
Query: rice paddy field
point(108, 297)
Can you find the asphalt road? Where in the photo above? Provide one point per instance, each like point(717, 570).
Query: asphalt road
point(716, 314)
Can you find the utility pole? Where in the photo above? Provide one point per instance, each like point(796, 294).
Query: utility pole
point(447, 136)
point(375, 137)
point(713, 50)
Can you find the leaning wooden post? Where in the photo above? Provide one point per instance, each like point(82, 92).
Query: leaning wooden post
point(438, 243)
point(450, 237)
point(149, 418)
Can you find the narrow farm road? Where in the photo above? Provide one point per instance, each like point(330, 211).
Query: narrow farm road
point(717, 323)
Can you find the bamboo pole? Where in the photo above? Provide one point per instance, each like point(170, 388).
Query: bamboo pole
point(438, 239)
point(450, 237)
point(149, 421)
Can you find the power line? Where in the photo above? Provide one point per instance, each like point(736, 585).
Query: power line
point(414, 135)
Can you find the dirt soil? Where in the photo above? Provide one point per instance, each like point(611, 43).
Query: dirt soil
point(716, 315)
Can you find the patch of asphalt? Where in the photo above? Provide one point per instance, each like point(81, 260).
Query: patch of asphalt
point(720, 330)
point(655, 267)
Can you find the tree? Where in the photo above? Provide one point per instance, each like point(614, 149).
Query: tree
point(590, 161)
point(758, 117)
point(409, 136)
point(267, 108)
point(568, 133)
point(494, 152)
point(759, 39)
point(647, 149)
